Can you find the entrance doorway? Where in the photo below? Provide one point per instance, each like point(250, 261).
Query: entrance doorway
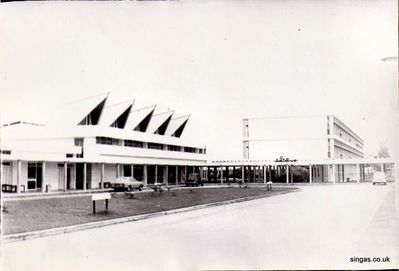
point(34, 176)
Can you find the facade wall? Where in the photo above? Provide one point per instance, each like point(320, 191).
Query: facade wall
point(109, 172)
point(342, 153)
point(290, 137)
point(51, 175)
point(95, 175)
point(293, 149)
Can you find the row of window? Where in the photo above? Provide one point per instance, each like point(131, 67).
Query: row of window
point(347, 136)
point(345, 128)
point(348, 148)
point(149, 145)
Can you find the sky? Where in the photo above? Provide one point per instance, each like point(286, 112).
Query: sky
point(220, 61)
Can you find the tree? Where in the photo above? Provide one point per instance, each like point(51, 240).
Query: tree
point(383, 152)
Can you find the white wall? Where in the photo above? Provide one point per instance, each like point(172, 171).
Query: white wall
point(51, 175)
point(288, 128)
point(293, 149)
point(95, 175)
point(292, 137)
point(109, 172)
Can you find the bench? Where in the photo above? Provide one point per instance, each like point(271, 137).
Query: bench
point(100, 196)
point(8, 188)
point(242, 184)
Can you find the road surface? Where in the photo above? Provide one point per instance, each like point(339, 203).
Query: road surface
point(322, 226)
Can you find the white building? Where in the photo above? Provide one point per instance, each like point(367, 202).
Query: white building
point(309, 137)
point(92, 142)
point(317, 138)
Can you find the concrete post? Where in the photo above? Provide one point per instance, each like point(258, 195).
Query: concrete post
point(310, 174)
point(65, 175)
point(102, 175)
point(132, 170)
point(243, 173)
point(382, 167)
point(19, 177)
point(357, 173)
point(270, 173)
point(145, 175)
point(221, 175)
point(156, 173)
point(43, 176)
point(185, 173)
point(201, 170)
point(177, 175)
point(166, 173)
point(287, 174)
point(84, 176)
point(117, 171)
point(333, 173)
point(264, 174)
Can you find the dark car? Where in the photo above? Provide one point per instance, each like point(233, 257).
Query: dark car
point(194, 179)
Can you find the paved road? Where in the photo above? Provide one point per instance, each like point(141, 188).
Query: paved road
point(319, 227)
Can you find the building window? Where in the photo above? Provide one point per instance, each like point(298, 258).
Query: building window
point(174, 148)
point(133, 143)
point(7, 152)
point(69, 155)
point(189, 149)
point(107, 140)
point(78, 142)
point(155, 146)
point(127, 171)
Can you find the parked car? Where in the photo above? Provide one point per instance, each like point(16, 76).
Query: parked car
point(126, 184)
point(379, 178)
point(194, 179)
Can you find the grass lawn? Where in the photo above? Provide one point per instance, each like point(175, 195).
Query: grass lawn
point(39, 214)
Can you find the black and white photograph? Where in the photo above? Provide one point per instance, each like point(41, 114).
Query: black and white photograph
point(199, 135)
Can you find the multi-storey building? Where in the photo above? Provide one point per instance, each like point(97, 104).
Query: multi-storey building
point(92, 142)
point(316, 138)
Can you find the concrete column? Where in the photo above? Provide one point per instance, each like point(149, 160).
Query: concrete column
point(65, 175)
point(19, 177)
point(264, 174)
point(221, 175)
point(185, 173)
point(84, 176)
point(333, 174)
point(166, 173)
point(287, 174)
point(382, 167)
point(145, 175)
point(102, 175)
point(117, 170)
point(310, 174)
point(132, 170)
point(243, 173)
point(357, 173)
point(43, 176)
point(270, 173)
point(156, 173)
point(177, 175)
point(201, 170)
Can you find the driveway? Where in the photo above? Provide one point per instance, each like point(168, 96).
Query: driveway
point(322, 226)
